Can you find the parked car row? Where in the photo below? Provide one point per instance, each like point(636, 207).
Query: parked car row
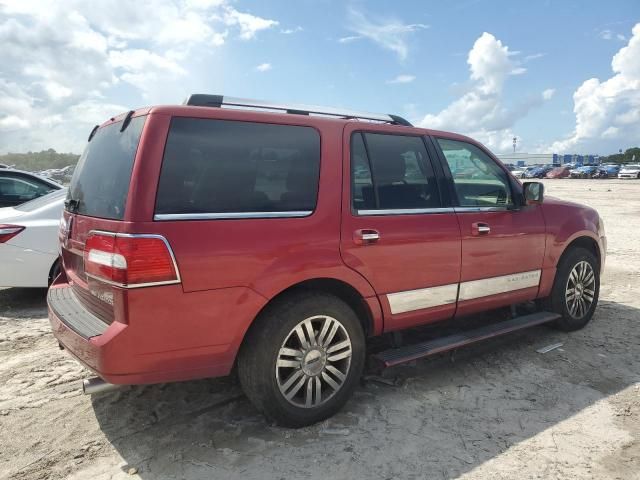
point(573, 171)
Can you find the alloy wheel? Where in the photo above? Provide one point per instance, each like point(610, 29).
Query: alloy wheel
point(580, 289)
point(313, 362)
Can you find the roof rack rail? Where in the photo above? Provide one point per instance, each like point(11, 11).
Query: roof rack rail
point(205, 100)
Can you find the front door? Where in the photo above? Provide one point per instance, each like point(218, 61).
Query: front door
point(397, 229)
point(502, 246)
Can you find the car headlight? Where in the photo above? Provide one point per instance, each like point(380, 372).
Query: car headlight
point(600, 227)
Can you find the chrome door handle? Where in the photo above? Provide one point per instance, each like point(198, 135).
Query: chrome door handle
point(480, 228)
point(366, 236)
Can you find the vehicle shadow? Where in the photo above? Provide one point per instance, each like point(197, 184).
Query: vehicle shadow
point(438, 418)
point(23, 303)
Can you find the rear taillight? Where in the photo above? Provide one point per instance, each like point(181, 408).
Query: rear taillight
point(129, 260)
point(7, 232)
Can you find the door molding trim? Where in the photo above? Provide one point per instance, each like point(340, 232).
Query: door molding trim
point(496, 285)
point(411, 300)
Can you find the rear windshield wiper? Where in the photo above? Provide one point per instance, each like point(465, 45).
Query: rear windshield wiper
point(72, 205)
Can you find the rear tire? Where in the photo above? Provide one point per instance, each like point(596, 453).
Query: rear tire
point(575, 289)
point(302, 359)
point(54, 272)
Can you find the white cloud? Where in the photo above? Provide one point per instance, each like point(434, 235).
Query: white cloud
point(610, 35)
point(11, 122)
point(264, 67)
point(389, 34)
point(481, 112)
point(289, 31)
point(548, 93)
point(606, 34)
point(249, 24)
point(402, 79)
point(533, 56)
point(350, 38)
point(608, 112)
point(63, 62)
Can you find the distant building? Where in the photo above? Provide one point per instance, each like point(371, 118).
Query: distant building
point(527, 159)
point(576, 159)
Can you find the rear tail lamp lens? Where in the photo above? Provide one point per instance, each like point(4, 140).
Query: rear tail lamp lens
point(7, 232)
point(130, 260)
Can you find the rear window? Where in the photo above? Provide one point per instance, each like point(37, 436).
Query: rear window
point(221, 167)
point(100, 182)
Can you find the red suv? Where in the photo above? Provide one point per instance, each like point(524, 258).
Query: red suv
point(233, 235)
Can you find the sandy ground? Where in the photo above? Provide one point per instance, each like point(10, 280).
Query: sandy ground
point(497, 410)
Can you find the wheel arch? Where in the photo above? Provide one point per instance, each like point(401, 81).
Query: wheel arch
point(346, 292)
point(368, 310)
point(586, 242)
point(56, 265)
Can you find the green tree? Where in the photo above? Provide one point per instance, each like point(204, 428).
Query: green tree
point(38, 161)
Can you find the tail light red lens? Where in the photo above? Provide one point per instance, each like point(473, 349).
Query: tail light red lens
point(7, 232)
point(130, 260)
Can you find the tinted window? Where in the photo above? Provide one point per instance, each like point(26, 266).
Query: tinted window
point(219, 166)
point(101, 180)
point(402, 174)
point(478, 180)
point(20, 185)
point(361, 182)
point(17, 189)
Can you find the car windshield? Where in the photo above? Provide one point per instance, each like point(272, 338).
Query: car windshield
point(42, 201)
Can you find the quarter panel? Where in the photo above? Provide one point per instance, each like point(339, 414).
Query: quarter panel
point(566, 222)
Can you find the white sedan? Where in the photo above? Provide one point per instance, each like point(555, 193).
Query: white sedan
point(629, 171)
point(29, 241)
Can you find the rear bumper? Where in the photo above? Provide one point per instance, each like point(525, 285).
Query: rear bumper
point(168, 335)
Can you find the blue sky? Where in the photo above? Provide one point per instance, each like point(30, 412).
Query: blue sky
point(562, 76)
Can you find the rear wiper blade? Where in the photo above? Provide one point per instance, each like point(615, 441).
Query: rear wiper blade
point(72, 205)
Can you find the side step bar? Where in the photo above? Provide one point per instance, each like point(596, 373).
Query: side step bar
point(397, 356)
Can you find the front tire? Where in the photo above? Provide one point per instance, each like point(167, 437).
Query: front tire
point(576, 289)
point(302, 359)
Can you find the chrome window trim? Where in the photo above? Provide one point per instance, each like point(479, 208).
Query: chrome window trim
point(230, 215)
point(404, 211)
point(485, 287)
point(410, 300)
point(480, 209)
point(137, 235)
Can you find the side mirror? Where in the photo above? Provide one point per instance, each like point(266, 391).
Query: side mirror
point(533, 193)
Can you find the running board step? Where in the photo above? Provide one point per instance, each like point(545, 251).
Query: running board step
point(397, 356)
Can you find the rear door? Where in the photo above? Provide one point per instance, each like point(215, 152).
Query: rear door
point(398, 230)
point(502, 246)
